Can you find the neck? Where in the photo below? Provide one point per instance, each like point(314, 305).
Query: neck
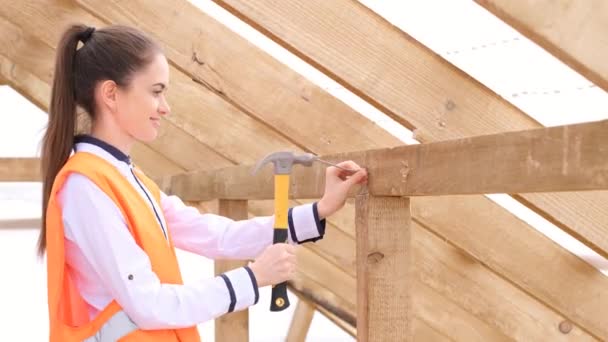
point(114, 137)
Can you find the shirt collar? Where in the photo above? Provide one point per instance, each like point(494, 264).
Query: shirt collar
point(100, 148)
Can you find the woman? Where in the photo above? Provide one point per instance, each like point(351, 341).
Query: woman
point(108, 231)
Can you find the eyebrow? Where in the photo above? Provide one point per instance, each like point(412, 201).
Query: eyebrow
point(162, 85)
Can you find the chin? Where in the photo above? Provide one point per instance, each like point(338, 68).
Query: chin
point(147, 137)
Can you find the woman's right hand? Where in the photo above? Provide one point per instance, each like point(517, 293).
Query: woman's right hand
point(276, 264)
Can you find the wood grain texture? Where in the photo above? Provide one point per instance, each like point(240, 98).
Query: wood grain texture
point(563, 158)
point(233, 326)
point(300, 321)
point(384, 65)
point(373, 58)
point(239, 73)
point(557, 278)
point(19, 169)
point(384, 269)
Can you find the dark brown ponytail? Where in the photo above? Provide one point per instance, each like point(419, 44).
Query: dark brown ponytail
point(112, 53)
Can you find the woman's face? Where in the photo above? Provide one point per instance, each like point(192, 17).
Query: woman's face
point(142, 104)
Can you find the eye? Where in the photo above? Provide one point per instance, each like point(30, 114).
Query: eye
point(157, 92)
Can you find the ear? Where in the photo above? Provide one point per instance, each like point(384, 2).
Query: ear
point(108, 94)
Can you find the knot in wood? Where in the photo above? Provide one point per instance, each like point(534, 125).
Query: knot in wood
point(565, 327)
point(375, 257)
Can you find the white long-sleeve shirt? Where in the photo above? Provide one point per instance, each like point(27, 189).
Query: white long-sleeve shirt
point(106, 263)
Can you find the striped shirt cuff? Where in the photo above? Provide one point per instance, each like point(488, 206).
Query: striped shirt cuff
point(304, 224)
point(242, 288)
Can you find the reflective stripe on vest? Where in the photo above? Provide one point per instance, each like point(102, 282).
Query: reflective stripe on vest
point(118, 326)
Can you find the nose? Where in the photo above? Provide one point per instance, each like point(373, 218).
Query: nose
point(163, 107)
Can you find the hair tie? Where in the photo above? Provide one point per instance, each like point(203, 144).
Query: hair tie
point(86, 34)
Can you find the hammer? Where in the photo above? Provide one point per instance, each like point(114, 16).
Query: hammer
point(283, 163)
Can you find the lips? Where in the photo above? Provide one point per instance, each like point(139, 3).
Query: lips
point(155, 121)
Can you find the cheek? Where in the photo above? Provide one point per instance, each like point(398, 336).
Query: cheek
point(136, 112)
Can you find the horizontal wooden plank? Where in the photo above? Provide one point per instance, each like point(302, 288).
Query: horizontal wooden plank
point(31, 223)
point(573, 31)
point(19, 169)
point(563, 158)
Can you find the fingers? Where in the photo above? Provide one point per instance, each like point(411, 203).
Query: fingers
point(341, 173)
point(358, 178)
point(291, 249)
point(349, 164)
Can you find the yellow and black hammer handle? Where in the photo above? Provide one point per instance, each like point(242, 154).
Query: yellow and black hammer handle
point(279, 300)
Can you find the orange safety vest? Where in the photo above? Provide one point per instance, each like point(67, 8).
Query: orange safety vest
point(68, 315)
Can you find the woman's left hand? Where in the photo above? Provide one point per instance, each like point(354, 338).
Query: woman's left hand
point(337, 185)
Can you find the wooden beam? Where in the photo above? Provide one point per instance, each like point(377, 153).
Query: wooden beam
point(573, 31)
point(32, 80)
point(38, 92)
point(324, 297)
point(19, 170)
point(25, 83)
point(33, 223)
point(351, 330)
point(335, 308)
point(300, 322)
point(385, 66)
point(233, 326)
point(474, 301)
point(477, 221)
point(561, 158)
point(557, 285)
point(216, 133)
point(263, 88)
point(384, 253)
point(457, 295)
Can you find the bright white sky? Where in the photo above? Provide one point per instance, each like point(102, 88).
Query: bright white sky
point(485, 48)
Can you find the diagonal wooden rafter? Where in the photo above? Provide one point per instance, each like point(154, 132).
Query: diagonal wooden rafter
point(537, 285)
point(480, 304)
point(167, 150)
point(262, 87)
point(410, 83)
point(38, 91)
point(573, 31)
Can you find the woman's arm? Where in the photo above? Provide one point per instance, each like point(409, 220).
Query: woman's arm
point(95, 225)
point(216, 236)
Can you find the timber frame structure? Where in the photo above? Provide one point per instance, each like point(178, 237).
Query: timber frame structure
point(418, 254)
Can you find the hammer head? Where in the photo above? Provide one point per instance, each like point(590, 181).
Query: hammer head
point(283, 161)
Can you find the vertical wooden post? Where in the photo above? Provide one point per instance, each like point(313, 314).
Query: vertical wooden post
point(300, 323)
point(383, 268)
point(233, 326)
